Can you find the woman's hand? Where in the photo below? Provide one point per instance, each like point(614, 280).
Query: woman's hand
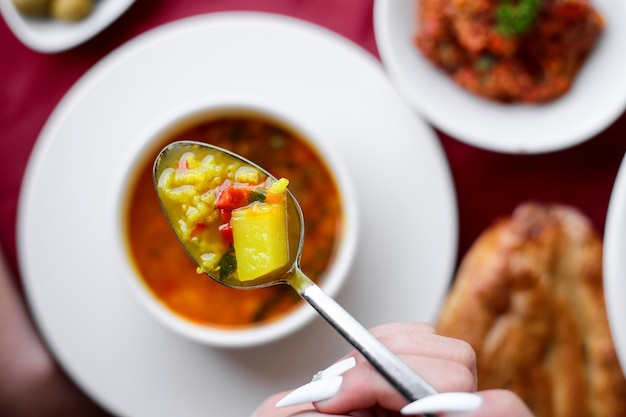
point(449, 365)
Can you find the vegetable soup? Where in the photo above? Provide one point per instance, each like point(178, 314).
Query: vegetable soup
point(230, 216)
point(171, 275)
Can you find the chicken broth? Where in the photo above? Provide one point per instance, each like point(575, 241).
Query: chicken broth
point(171, 275)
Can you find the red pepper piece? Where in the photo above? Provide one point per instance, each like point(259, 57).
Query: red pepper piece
point(232, 198)
point(226, 231)
point(198, 229)
point(225, 215)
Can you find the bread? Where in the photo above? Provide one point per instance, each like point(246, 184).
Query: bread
point(528, 297)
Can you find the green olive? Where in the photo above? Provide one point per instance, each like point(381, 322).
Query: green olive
point(32, 7)
point(71, 10)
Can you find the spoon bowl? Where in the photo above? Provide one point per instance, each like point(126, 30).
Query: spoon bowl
point(225, 271)
point(171, 155)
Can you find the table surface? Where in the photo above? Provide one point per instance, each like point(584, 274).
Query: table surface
point(488, 184)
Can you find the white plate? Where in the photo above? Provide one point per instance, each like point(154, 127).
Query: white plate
point(48, 35)
point(66, 234)
point(597, 98)
point(615, 264)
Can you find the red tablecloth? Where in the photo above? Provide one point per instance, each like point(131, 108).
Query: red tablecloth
point(488, 184)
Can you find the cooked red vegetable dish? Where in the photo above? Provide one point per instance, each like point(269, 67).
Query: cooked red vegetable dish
point(166, 268)
point(525, 51)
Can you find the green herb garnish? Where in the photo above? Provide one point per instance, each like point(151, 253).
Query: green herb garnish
point(257, 195)
point(227, 264)
point(517, 17)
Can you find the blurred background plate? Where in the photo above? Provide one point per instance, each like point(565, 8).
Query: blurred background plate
point(48, 35)
point(615, 264)
point(67, 221)
point(596, 99)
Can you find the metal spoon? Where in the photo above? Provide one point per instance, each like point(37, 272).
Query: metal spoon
point(401, 376)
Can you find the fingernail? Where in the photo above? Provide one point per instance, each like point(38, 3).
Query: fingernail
point(335, 369)
point(324, 385)
point(318, 390)
point(451, 403)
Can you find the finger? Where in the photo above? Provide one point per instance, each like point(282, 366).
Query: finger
point(268, 409)
point(421, 339)
point(454, 403)
point(402, 328)
point(431, 345)
point(363, 387)
point(447, 364)
point(498, 403)
point(417, 338)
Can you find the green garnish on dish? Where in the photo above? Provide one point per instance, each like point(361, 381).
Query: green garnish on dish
point(257, 195)
point(515, 17)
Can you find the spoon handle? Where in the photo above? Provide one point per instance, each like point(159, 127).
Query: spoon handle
point(401, 376)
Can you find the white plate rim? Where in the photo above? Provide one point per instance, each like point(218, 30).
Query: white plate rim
point(592, 104)
point(77, 355)
point(50, 36)
point(614, 264)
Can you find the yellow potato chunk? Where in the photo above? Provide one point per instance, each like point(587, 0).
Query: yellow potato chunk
point(260, 239)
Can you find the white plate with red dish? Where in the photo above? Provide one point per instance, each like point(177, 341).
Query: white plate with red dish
point(597, 98)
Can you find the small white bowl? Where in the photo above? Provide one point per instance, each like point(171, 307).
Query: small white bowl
point(49, 35)
point(597, 98)
point(149, 143)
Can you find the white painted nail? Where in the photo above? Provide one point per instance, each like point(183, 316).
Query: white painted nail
point(450, 403)
point(336, 369)
point(321, 389)
point(324, 385)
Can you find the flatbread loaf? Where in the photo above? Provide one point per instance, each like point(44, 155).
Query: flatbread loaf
point(528, 297)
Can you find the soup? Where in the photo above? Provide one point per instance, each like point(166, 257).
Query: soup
point(169, 273)
point(230, 216)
